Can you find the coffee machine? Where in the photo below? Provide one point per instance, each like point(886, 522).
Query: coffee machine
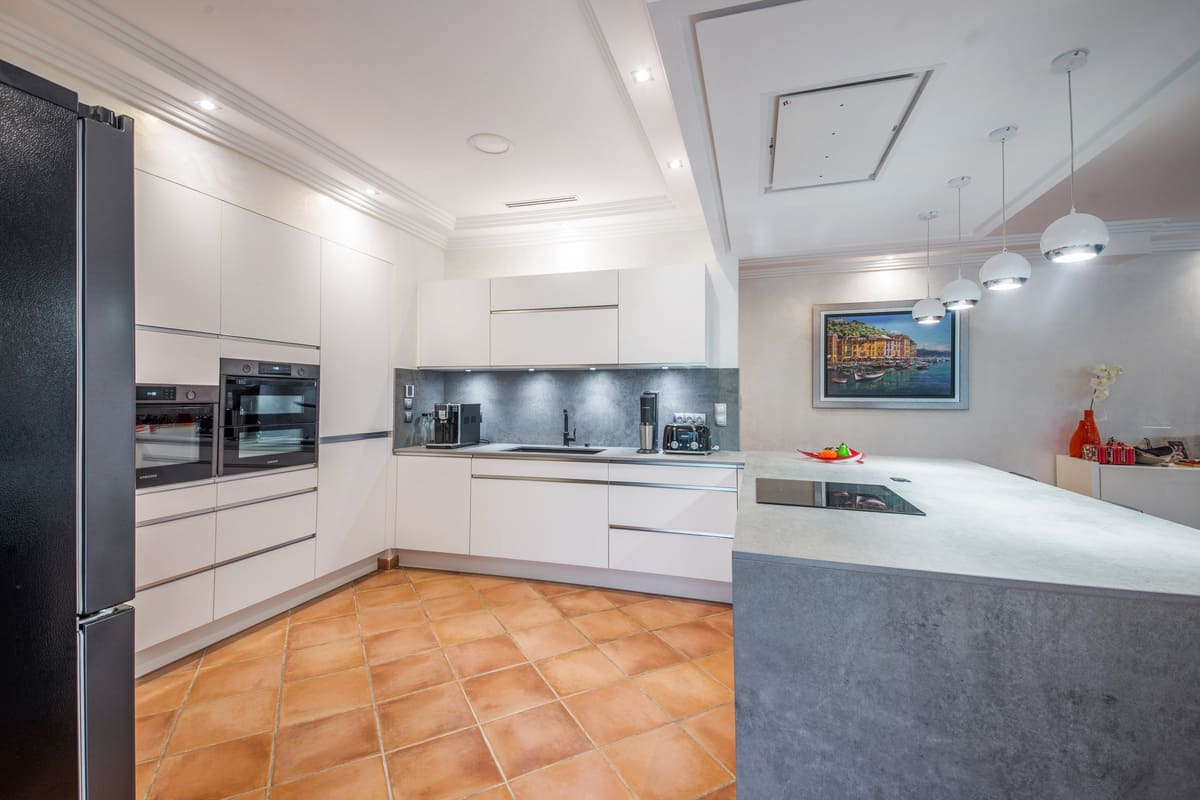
point(455, 425)
point(648, 430)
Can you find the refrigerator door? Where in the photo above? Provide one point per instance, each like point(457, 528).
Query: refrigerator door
point(106, 705)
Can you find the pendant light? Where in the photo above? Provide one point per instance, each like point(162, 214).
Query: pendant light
point(930, 310)
point(1075, 237)
point(961, 293)
point(1004, 271)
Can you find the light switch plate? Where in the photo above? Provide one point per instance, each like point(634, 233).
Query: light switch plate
point(408, 403)
point(690, 418)
point(410, 390)
point(720, 414)
point(408, 416)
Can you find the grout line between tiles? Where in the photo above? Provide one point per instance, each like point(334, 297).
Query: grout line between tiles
point(362, 643)
point(287, 631)
point(162, 755)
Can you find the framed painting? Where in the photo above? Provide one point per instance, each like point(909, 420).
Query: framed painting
point(875, 355)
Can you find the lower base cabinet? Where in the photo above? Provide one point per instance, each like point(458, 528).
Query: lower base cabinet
point(682, 555)
point(557, 523)
point(433, 504)
point(172, 608)
point(352, 508)
point(244, 583)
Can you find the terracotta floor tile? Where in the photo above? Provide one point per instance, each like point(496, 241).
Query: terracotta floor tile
point(324, 696)
point(484, 655)
point(683, 690)
point(163, 693)
point(481, 582)
point(452, 605)
point(577, 603)
point(549, 640)
point(410, 674)
point(377, 580)
point(552, 589)
point(724, 793)
point(495, 793)
point(257, 794)
point(238, 677)
point(309, 634)
point(444, 587)
point(386, 596)
point(498, 694)
point(658, 613)
point(614, 712)
point(259, 641)
point(695, 639)
point(641, 653)
point(187, 664)
point(359, 780)
point(323, 659)
point(467, 627)
point(722, 622)
point(715, 731)
point(720, 666)
point(234, 717)
point(509, 593)
point(604, 626)
point(534, 739)
point(578, 670)
point(211, 773)
point(665, 764)
point(334, 604)
point(390, 618)
point(150, 734)
point(450, 767)
point(527, 614)
point(699, 608)
point(619, 598)
point(399, 643)
point(142, 775)
point(424, 715)
point(313, 746)
point(417, 575)
point(587, 777)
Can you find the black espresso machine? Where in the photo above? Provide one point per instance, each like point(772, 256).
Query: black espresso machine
point(455, 425)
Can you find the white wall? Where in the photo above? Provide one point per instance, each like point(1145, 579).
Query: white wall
point(1030, 352)
point(626, 252)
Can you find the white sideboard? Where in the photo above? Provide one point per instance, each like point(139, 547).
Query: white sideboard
point(1168, 492)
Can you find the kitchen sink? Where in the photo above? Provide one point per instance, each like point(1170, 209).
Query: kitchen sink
point(577, 451)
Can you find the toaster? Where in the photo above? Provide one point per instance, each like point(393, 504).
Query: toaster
point(694, 439)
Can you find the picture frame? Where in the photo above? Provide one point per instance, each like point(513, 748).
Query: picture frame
point(1178, 449)
point(875, 355)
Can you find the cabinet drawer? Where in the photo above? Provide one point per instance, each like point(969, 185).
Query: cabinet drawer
point(555, 338)
point(240, 490)
point(704, 557)
point(559, 290)
point(689, 510)
point(170, 503)
point(171, 609)
point(247, 529)
point(560, 523)
point(676, 476)
point(173, 548)
point(533, 468)
point(244, 583)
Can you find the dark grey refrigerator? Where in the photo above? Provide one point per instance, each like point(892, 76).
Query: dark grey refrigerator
point(66, 444)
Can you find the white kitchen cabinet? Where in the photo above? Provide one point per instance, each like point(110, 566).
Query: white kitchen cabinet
point(271, 484)
point(686, 556)
point(244, 583)
point(177, 256)
point(554, 338)
point(455, 323)
point(352, 509)
point(1166, 492)
point(154, 505)
point(257, 526)
point(689, 510)
point(356, 375)
point(270, 279)
point(663, 315)
point(698, 475)
point(171, 609)
point(167, 549)
point(557, 290)
point(176, 358)
point(530, 520)
point(433, 504)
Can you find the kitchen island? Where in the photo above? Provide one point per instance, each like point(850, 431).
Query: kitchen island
point(1015, 641)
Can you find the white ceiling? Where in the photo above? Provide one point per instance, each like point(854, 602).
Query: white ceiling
point(991, 68)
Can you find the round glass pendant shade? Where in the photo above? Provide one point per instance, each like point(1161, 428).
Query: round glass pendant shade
point(1005, 271)
point(960, 294)
point(1075, 237)
point(929, 311)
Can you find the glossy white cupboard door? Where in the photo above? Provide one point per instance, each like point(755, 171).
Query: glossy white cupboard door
point(356, 375)
point(663, 315)
point(692, 510)
point(244, 583)
point(559, 523)
point(171, 609)
point(685, 556)
point(556, 290)
point(270, 279)
point(352, 507)
point(167, 549)
point(433, 503)
point(454, 323)
point(257, 526)
point(554, 338)
point(176, 358)
point(177, 256)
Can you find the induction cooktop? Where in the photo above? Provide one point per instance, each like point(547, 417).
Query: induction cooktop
point(828, 494)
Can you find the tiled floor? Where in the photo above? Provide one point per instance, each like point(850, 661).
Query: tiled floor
point(432, 685)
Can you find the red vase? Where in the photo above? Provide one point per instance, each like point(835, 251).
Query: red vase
point(1085, 433)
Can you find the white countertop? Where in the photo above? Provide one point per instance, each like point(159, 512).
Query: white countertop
point(721, 458)
point(980, 523)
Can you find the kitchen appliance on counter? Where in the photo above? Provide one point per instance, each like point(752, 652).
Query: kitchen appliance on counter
point(455, 425)
point(66, 411)
point(691, 439)
point(648, 428)
point(828, 494)
point(173, 434)
point(269, 416)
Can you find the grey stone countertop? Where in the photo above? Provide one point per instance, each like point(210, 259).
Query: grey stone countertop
point(981, 524)
point(720, 458)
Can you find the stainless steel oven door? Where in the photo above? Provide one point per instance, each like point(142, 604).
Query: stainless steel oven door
point(251, 448)
point(265, 401)
point(173, 443)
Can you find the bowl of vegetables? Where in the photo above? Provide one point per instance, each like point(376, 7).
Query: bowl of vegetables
point(841, 453)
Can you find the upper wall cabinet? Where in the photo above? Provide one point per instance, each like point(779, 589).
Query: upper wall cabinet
point(177, 256)
point(356, 380)
point(455, 319)
point(558, 338)
point(270, 279)
point(663, 315)
point(559, 290)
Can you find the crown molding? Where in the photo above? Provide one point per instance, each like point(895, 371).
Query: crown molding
point(570, 233)
point(566, 214)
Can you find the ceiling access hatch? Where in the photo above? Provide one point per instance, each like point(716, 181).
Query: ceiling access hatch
point(840, 134)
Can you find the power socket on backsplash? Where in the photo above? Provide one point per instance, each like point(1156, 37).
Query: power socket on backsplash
point(690, 418)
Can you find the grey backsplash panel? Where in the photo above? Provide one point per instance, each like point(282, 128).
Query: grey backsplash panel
point(526, 407)
point(428, 387)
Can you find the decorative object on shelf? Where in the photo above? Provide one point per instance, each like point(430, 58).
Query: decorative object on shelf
point(1112, 452)
point(875, 355)
point(930, 310)
point(1086, 434)
point(1150, 455)
point(1004, 271)
point(961, 293)
point(1075, 237)
point(1103, 376)
point(1178, 449)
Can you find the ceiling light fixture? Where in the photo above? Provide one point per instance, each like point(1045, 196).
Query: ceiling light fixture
point(531, 369)
point(675, 163)
point(491, 143)
point(642, 75)
point(1075, 237)
point(372, 191)
point(930, 310)
point(207, 104)
point(960, 293)
point(1004, 271)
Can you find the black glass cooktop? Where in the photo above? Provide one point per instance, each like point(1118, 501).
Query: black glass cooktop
point(827, 494)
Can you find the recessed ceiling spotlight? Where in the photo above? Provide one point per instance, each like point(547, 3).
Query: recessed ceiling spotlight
point(372, 191)
point(666, 367)
point(491, 143)
point(531, 369)
point(466, 370)
point(675, 163)
point(642, 75)
point(207, 104)
point(591, 369)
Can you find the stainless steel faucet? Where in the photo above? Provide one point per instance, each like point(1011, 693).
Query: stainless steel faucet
point(568, 434)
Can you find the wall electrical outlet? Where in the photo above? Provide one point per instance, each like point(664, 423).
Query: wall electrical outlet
point(690, 418)
point(720, 414)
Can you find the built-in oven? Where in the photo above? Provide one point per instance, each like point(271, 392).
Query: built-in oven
point(174, 434)
point(269, 415)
